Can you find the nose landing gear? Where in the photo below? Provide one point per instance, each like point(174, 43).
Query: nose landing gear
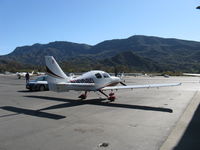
point(110, 97)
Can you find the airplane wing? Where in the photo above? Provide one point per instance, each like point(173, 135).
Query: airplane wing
point(139, 86)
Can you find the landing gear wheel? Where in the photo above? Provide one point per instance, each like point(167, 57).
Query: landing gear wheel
point(83, 96)
point(111, 97)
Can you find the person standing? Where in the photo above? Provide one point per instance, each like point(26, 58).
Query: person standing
point(27, 76)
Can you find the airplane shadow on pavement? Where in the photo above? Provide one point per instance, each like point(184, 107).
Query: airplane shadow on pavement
point(29, 91)
point(36, 113)
point(72, 103)
point(100, 102)
point(25, 91)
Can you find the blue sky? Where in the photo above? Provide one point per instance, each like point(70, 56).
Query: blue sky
point(25, 22)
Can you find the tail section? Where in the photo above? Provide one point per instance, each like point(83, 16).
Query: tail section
point(54, 72)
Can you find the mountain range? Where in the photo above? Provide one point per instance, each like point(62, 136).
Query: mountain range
point(136, 53)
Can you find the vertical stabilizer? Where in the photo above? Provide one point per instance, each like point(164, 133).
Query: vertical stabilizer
point(53, 69)
point(54, 72)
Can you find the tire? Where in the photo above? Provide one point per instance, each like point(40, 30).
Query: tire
point(41, 88)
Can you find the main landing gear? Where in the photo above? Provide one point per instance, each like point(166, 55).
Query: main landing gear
point(110, 96)
point(83, 96)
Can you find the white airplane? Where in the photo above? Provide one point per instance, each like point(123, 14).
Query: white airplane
point(23, 74)
point(95, 80)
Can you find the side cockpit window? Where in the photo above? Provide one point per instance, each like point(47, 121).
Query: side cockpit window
point(105, 75)
point(98, 75)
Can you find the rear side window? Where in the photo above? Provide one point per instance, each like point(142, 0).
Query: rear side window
point(98, 75)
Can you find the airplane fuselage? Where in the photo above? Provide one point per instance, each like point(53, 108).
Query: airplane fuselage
point(100, 79)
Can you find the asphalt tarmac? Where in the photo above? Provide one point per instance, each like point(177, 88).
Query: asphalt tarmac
point(140, 119)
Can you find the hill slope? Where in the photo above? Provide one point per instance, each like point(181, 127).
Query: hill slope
point(152, 53)
point(35, 54)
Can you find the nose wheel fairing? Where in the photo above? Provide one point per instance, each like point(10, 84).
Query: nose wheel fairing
point(112, 97)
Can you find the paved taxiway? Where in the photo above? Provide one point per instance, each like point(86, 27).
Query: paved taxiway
point(140, 119)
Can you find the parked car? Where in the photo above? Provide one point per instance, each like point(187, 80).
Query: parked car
point(39, 84)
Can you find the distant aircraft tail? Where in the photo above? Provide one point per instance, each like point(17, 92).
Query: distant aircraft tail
point(55, 73)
